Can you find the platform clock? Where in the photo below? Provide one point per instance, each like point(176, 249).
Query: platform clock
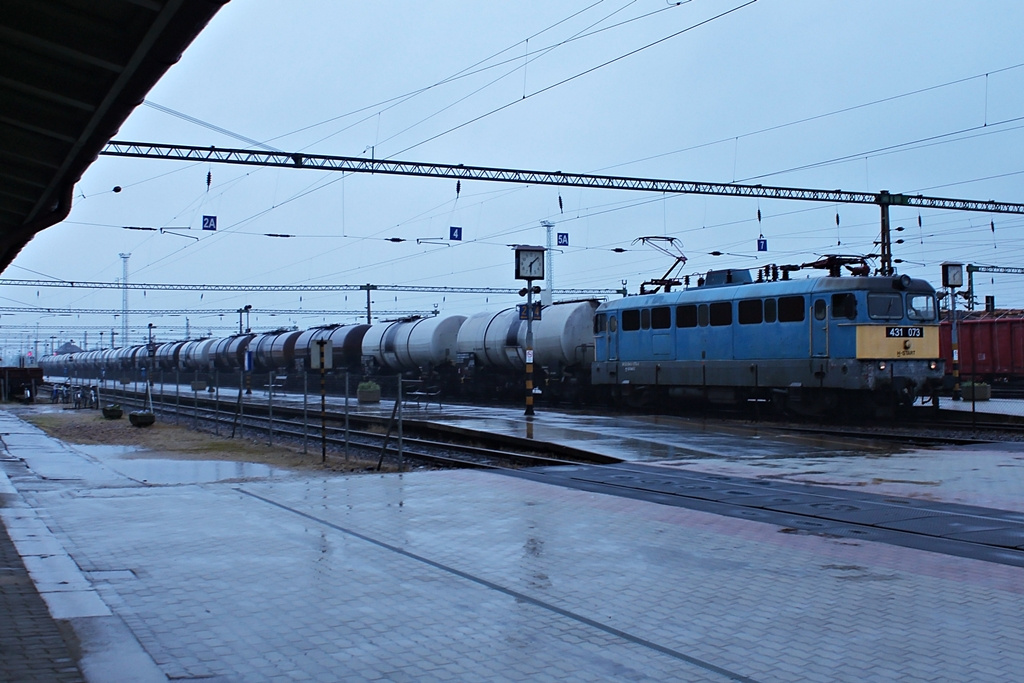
point(529, 263)
point(952, 275)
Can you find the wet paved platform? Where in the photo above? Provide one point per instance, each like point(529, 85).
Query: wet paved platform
point(186, 570)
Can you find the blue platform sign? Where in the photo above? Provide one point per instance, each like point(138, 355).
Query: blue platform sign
point(563, 239)
point(762, 244)
point(524, 311)
point(209, 222)
point(455, 233)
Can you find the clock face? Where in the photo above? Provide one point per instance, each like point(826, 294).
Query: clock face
point(954, 275)
point(530, 264)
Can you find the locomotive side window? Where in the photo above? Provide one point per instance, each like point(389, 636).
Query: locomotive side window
point(770, 310)
point(844, 306)
point(791, 309)
point(686, 316)
point(645, 319)
point(702, 315)
point(661, 318)
point(613, 325)
point(820, 309)
point(920, 306)
point(599, 323)
point(630, 320)
point(751, 312)
point(885, 306)
point(721, 313)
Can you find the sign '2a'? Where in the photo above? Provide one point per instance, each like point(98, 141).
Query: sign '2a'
point(209, 222)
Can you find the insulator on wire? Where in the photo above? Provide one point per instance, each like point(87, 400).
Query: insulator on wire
point(560, 210)
point(759, 215)
point(837, 219)
point(458, 188)
point(209, 179)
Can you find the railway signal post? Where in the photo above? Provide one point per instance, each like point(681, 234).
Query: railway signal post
point(322, 360)
point(529, 267)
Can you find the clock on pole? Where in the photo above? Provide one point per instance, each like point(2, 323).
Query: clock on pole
point(529, 263)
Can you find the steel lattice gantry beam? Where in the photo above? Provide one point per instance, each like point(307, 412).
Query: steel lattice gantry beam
point(412, 168)
point(972, 269)
point(197, 311)
point(882, 199)
point(156, 287)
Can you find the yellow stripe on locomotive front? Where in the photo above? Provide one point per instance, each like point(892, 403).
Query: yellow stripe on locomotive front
point(916, 342)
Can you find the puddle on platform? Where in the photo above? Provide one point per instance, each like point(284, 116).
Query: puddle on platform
point(149, 468)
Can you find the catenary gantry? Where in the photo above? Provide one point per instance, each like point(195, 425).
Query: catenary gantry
point(248, 157)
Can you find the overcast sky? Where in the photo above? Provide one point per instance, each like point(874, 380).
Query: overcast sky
point(909, 96)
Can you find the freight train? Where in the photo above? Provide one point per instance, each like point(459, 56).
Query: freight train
point(817, 344)
point(990, 345)
point(481, 355)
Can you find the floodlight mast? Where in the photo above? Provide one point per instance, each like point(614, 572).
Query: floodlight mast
point(249, 157)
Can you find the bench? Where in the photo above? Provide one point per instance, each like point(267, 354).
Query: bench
point(425, 395)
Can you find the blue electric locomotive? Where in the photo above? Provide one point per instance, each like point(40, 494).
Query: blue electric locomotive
point(813, 344)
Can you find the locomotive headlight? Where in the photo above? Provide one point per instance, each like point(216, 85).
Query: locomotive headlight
point(881, 365)
point(932, 365)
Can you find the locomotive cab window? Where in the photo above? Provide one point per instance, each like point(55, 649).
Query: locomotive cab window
point(686, 316)
point(599, 323)
point(885, 306)
point(920, 306)
point(844, 306)
point(630, 320)
point(661, 318)
point(770, 310)
point(645, 319)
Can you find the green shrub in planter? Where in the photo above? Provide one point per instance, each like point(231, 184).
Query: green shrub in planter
point(368, 392)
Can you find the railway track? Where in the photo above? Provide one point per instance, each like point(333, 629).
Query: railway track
point(968, 531)
point(371, 437)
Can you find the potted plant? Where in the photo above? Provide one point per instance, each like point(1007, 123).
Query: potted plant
point(141, 418)
point(112, 411)
point(976, 391)
point(368, 392)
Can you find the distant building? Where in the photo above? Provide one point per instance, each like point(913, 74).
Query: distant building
point(68, 347)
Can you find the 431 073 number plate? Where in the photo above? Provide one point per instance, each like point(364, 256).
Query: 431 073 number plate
point(904, 332)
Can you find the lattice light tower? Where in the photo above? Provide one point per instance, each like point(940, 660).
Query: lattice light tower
point(124, 298)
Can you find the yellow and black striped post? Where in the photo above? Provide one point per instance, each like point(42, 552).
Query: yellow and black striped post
point(529, 348)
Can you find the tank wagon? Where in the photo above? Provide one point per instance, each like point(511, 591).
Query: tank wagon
point(816, 345)
point(492, 350)
point(412, 343)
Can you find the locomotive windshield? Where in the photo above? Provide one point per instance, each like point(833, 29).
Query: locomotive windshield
point(885, 306)
point(920, 306)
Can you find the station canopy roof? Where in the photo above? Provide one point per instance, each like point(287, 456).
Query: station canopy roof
point(71, 71)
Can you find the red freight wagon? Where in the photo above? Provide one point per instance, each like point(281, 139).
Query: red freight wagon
point(991, 345)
